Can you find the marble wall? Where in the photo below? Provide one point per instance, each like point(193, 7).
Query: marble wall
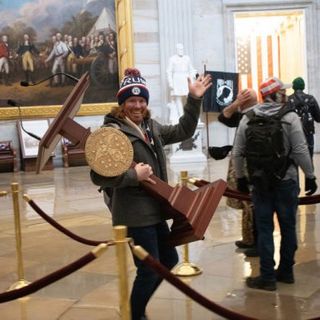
point(207, 30)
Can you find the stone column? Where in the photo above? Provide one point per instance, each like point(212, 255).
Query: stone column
point(175, 25)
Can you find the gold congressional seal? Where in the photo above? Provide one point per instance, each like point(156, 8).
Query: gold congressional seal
point(108, 152)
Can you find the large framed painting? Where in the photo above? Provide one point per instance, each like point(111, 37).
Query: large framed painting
point(42, 38)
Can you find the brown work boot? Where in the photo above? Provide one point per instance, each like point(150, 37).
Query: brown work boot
point(242, 245)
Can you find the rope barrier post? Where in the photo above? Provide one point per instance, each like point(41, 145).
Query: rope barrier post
point(120, 234)
point(23, 302)
point(15, 198)
point(186, 268)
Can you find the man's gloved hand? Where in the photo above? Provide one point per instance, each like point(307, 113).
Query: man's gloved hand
point(310, 186)
point(243, 185)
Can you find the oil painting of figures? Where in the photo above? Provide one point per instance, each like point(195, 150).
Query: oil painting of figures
point(40, 38)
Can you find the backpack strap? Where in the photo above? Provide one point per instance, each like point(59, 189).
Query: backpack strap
point(284, 110)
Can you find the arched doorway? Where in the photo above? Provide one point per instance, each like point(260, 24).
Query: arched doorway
point(269, 43)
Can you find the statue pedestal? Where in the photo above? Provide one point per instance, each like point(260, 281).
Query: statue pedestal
point(189, 150)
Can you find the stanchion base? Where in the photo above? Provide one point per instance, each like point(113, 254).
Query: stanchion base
point(186, 269)
point(19, 284)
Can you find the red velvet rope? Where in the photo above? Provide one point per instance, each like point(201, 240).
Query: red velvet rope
point(194, 295)
point(305, 200)
point(48, 279)
point(59, 227)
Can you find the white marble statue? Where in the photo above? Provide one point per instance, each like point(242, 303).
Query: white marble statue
point(178, 71)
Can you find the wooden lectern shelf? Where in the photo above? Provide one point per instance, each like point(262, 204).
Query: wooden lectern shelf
point(191, 211)
point(64, 125)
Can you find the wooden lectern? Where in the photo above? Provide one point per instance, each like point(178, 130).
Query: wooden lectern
point(191, 211)
point(64, 125)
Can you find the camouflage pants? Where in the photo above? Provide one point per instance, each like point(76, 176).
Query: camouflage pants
point(247, 208)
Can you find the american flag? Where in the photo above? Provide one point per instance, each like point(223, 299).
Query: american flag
point(257, 59)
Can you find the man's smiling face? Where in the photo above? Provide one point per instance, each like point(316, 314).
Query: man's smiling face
point(135, 109)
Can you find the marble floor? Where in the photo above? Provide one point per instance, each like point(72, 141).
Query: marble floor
point(91, 293)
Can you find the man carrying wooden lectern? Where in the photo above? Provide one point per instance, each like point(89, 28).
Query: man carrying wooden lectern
point(131, 205)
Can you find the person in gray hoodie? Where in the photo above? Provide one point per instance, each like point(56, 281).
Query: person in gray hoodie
point(131, 205)
point(282, 197)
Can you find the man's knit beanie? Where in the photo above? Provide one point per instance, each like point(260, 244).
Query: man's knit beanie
point(298, 84)
point(132, 85)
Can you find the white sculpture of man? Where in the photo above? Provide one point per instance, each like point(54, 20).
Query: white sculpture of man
point(178, 71)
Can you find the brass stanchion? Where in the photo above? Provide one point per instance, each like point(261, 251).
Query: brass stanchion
point(120, 233)
point(23, 307)
point(186, 268)
point(15, 198)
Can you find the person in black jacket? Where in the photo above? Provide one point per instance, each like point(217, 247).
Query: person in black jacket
point(307, 108)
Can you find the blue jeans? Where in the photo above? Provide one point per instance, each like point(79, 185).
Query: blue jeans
point(154, 240)
point(283, 200)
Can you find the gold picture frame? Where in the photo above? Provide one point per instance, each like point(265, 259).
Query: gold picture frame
point(123, 15)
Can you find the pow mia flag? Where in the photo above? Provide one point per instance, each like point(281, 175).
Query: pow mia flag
point(223, 91)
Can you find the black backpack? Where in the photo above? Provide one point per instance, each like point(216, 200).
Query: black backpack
point(267, 160)
point(302, 108)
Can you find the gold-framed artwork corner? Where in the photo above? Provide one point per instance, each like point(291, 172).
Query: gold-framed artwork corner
point(40, 112)
point(93, 103)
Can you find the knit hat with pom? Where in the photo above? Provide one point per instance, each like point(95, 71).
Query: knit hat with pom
point(132, 85)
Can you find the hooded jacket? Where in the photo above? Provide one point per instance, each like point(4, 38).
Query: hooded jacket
point(131, 204)
point(294, 142)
